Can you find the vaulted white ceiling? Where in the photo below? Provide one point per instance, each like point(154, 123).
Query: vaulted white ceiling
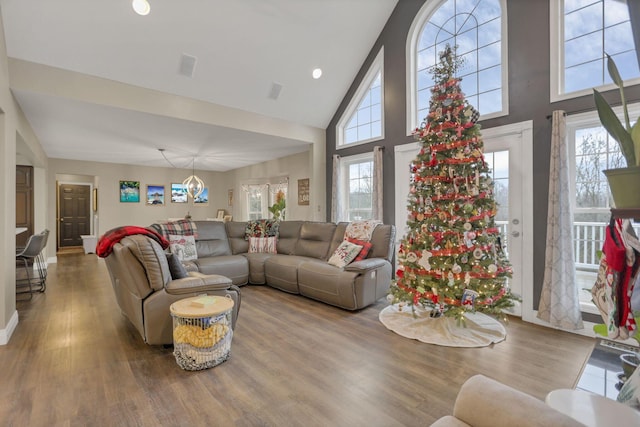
point(98, 82)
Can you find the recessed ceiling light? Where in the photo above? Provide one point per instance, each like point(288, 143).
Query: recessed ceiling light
point(317, 73)
point(141, 7)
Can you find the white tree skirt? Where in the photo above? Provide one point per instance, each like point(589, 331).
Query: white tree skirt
point(481, 330)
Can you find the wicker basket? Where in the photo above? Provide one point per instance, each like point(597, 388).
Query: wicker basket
point(201, 334)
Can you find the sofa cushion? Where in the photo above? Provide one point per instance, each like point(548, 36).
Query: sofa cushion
point(235, 267)
point(256, 267)
point(315, 240)
point(344, 254)
point(183, 247)
point(383, 240)
point(288, 236)
point(281, 272)
point(236, 234)
point(326, 283)
point(212, 239)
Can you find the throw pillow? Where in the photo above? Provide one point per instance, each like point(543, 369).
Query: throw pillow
point(261, 228)
point(262, 244)
point(366, 247)
point(184, 247)
point(344, 254)
point(176, 268)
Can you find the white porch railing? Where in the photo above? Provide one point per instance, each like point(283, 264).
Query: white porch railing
point(588, 238)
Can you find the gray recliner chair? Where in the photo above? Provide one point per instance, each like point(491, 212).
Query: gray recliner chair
point(144, 288)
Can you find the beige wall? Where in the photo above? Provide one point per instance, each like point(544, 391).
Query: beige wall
point(17, 140)
point(111, 213)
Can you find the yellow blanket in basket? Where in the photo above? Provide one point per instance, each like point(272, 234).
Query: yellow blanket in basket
point(198, 337)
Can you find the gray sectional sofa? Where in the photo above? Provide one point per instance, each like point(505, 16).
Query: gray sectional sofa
point(300, 264)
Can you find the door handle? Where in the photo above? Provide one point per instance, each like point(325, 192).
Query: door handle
point(515, 233)
point(61, 219)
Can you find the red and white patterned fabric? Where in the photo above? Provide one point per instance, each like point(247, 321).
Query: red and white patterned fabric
point(361, 230)
point(263, 244)
point(181, 227)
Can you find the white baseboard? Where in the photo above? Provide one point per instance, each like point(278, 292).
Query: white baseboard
point(5, 334)
point(52, 260)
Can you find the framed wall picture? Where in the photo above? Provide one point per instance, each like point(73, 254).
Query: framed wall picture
point(303, 192)
point(202, 199)
point(129, 191)
point(179, 193)
point(155, 195)
point(230, 197)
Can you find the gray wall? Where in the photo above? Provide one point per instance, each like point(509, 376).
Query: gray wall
point(529, 86)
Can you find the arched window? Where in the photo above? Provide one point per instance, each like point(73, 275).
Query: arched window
point(581, 33)
point(478, 29)
point(362, 121)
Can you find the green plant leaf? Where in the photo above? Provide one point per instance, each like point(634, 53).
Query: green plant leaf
point(612, 124)
point(635, 136)
point(613, 72)
point(615, 76)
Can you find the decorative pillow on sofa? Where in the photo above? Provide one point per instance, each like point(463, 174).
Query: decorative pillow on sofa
point(344, 254)
point(183, 247)
point(366, 247)
point(176, 268)
point(261, 228)
point(263, 244)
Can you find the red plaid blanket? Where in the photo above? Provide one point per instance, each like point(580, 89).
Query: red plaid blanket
point(111, 237)
point(181, 227)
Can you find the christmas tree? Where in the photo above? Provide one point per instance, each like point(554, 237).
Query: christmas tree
point(451, 260)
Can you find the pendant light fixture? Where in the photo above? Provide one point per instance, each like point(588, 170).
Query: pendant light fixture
point(141, 7)
point(193, 184)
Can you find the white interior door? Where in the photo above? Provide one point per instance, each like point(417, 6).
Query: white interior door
point(508, 150)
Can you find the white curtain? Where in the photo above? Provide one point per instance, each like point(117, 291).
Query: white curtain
point(377, 183)
point(559, 301)
point(336, 188)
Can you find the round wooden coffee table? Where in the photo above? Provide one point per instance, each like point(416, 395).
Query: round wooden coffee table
point(201, 331)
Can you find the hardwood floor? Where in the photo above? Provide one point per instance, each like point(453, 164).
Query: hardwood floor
point(75, 360)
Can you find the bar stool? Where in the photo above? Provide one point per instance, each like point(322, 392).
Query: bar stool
point(32, 253)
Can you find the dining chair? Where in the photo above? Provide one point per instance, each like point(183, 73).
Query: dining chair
point(32, 254)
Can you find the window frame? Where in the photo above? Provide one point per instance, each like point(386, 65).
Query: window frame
point(580, 121)
point(377, 66)
point(556, 51)
point(344, 192)
point(413, 37)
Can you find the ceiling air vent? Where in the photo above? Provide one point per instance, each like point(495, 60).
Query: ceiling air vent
point(187, 65)
point(274, 93)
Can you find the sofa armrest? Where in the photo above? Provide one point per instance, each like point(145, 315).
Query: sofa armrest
point(365, 265)
point(483, 402)
point(198, 282)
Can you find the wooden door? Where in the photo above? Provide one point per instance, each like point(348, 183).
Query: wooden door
point(75, 214)
point(24, 203)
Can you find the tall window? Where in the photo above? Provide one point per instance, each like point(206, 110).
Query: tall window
point(362, 121)
point(256, 201)
point(582, 32)
point(593, 151)
point(357, 194)
point(477, 29)
point(263, 195)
